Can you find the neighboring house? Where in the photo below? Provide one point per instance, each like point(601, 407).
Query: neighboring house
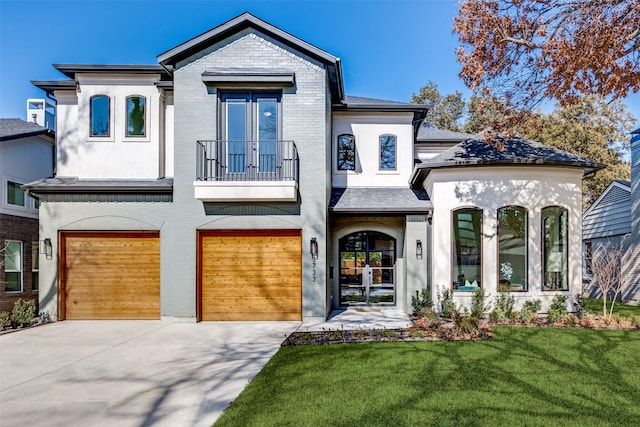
point(26, 154)
point(631, 258)
point(236, 180)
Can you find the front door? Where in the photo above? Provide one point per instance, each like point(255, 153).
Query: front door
point(367, 269)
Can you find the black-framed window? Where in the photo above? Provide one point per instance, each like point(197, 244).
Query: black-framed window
point(100, 115)
point(555, 247)
point(512, 248)
point(388, 152)
point(35, 266)
point(15, 194)
point(467, 249)
point(346, 155)
point(13, 263)
point(136, 109)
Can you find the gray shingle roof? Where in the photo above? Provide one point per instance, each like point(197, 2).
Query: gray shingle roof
point(382, 200)
point(623, 182)
point(476, 152)
point(18, 128)
point(429, 134)
point(75, 185)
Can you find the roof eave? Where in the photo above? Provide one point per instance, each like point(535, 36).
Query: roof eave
point(47, 133)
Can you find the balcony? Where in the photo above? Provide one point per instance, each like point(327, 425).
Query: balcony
point(241, 171)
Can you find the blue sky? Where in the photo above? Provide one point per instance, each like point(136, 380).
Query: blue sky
point(389, 49)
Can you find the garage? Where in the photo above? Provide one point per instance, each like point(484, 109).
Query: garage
point(109, 275)
point(250, 275)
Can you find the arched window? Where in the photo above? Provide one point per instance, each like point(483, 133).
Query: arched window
point(136, 115)
point(100, 115)
point(467, 249)
point(554, 248)
point(512, 248)
point(346, 153)
point(387, 152)
point(367, 269)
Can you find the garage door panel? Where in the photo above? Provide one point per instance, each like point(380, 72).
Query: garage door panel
point(251, 277)
point(111, 275)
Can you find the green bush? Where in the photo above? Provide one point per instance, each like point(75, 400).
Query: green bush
point(529, 308)
point(422, 300)
point(478, 304)
point(580, 306)
point(5, 320)
point(23, 312)
point(448, 308)
point(557, 309)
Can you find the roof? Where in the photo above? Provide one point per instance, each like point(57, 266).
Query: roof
point(379, 200)
point(246, 20)
point(358, 103)
point(70, 70)
point(429, 134)
point(75, 185)
point(623, 182)
point(517, 151)
point(18, 128)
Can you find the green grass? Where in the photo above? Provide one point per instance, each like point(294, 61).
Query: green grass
point(594, 306)
point(522, 377)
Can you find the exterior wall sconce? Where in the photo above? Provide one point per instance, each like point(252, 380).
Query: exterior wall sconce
point(47, 248)
point(419, 249)
point(313, 246)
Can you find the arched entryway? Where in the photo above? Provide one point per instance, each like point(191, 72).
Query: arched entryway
point(367, 269)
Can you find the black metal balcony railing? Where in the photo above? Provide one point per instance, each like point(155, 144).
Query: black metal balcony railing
point(221, 160)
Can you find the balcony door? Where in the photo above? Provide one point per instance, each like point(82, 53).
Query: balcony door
point(251, 127)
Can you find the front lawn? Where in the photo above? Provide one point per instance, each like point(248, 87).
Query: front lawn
point(523, 376)
point(594, 306)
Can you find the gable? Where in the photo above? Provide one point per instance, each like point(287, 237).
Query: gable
point(610, 214)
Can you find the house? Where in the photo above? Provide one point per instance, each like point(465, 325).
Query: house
point(631, 257)
point(26, 154)
point(236, 180)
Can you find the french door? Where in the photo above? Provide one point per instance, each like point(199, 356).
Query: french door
point(367, 269)
point(251, 129)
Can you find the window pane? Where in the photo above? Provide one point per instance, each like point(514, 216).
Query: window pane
point(387, 152)
point(35, 266)
point(135, 116)
point(236, 135)
point(555, 239)
point(15, 194)
point(512, 248)
point(13, 266)
point(346, 152)
point(100, 116)
point(267, 118)
point(467, 249)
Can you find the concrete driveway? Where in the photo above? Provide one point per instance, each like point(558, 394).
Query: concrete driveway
point(130, 373)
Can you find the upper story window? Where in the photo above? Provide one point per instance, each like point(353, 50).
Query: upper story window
point(555, 246)
point(387, 152)
point(15, 194)
point(346, 156)
point(136, 115)
point(100, 106)
point(512, 249)
point(467, 249)
point(13, 266)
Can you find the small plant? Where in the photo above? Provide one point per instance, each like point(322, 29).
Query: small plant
point(558, 309)
point(504, 301)
point(44, 318)
point(448, 307)
point(422, 300)
point(5, 320)
point(580, 307)
point(572, 320)
point(530, 310)
point(23, 312)
point(432, 318)
point(468, 325)
point(478, 304)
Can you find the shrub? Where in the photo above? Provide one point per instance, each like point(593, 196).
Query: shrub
point(448, 308)
point(530, 309)
point(579, 304)
point(558, 309)
point(5, 320)
point(478, 304)
point(23, 312)
point(467, 325)
point(422, 300)
point(505, 302)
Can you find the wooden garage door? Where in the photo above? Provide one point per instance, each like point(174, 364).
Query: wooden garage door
point(250, 275)
point(110, 275)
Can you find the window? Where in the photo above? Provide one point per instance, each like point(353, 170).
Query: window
point(251, 128)
point(136, 116)
point(346, 152)
point(13, 266)
point(387, 152)
point(35, 266)
point(554, 257)
point(15, 194)
point(467, 249)
point(36, 204)
point(100, 111)
point(512, 249)
point(588, 256)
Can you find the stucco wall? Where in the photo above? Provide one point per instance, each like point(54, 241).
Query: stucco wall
point(490, 188)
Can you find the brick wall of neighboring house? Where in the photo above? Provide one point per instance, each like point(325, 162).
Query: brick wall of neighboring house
point(26, 231)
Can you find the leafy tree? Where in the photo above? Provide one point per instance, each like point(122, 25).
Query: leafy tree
point(527, 50)
point(591, 128)
point(446, 111)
